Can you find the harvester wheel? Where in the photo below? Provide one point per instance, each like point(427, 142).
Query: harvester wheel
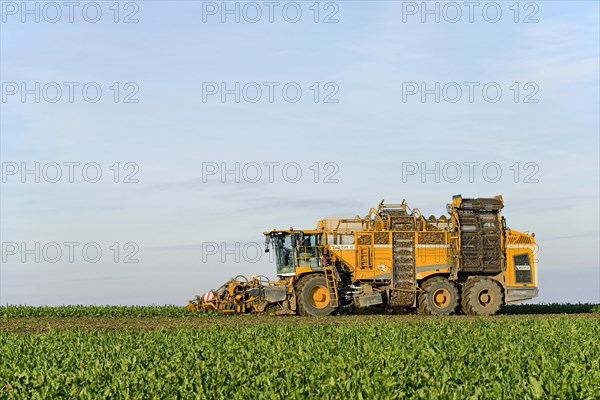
point(482, 296)
point(439, 296)
point(313, 296)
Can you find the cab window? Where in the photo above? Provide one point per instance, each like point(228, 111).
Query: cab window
point(522, 268)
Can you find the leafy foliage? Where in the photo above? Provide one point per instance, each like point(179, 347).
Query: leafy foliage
point(549, 308)
point(178, 311)
point(448, 358)
point(94, 311)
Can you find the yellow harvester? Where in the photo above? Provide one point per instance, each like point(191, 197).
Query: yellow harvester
point(393, 257)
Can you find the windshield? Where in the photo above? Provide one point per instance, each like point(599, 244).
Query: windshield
point(284, 255)
point(308, 250)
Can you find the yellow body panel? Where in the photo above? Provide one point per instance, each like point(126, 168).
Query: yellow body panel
point(433, 254)
point(430, 258)
point(518, 244)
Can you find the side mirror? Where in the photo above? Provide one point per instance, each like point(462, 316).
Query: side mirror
point(267, 250)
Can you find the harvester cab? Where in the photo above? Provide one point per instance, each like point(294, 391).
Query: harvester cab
point(295, 249)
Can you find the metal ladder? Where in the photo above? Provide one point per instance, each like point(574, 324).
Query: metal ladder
point(331, 280)
point(365, 257)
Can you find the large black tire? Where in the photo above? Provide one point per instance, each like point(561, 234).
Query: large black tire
point(313, 297)
point(439, 296)
point(482, 296)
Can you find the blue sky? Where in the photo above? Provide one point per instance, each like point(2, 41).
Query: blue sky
point(369, 55)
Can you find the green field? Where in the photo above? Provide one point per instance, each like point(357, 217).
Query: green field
point(142, 353)
point(178, 311)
